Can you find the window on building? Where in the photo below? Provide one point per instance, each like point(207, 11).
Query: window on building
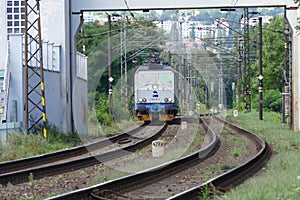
point(15, 16)
point(1, 80)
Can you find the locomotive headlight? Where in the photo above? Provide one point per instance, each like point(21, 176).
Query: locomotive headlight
point(168, 100)
point(143, 100)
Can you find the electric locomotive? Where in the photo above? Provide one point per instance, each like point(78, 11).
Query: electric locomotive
point(155, 89)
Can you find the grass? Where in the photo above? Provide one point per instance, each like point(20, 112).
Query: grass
point(142, 159)
point(281, 179)
point(97, 130)
point(20, 145)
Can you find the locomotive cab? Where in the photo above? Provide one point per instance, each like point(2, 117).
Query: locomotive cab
point(155, 92)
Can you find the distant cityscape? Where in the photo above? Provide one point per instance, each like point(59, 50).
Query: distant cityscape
point(189, 26)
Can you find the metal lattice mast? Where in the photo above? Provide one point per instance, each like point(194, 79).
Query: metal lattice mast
point(35, 106)
point(124, 75)
point(247, 93)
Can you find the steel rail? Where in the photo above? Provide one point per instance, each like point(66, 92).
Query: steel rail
point(44, 171)
point(20, 164)
point(145, 177)
point(235, 176)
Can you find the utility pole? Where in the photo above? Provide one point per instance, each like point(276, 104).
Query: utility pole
point(124, 71)
point(35, 103)
point(110, 78)
point(247, 93)
point(82, 33)
point(182, 62)
point(184, 86)
point(286, 83)
point(260, 70)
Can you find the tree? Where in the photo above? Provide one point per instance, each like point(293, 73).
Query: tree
point(273, 62)
point(273, 53)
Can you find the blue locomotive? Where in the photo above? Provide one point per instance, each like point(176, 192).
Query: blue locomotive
point(155, 90)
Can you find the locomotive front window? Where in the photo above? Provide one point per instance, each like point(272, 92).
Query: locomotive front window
point(159, 78)
point(164, 78)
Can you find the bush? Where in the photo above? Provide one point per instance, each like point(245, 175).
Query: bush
point(20, 145)
point(271, 100)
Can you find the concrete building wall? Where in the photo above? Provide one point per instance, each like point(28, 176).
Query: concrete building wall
point(16, 85)
point(60, 77)
point(53, 99)
point(54, 22)
point(54, 92)
point(3, 34)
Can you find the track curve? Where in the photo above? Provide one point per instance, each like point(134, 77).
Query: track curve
point(235, 176)
point(145, 177)
point(45, 168)
point(223, 182)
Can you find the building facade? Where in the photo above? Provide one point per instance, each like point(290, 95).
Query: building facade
point(56, 69)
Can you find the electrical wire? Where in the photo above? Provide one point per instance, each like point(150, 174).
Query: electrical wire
point(132, 15)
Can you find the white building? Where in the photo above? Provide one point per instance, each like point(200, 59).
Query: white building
point(57, 89)
point(254, 21)
point(201, 31)
point(88, 17)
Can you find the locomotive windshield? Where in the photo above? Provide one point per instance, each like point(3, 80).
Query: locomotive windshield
point(155, 78)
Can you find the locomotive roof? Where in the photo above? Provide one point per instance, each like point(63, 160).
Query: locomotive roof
point(154, 67)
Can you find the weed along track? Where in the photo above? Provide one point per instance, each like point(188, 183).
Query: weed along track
point(195, 155)
point(232, 177)
point(223, 151)
point(18, 171)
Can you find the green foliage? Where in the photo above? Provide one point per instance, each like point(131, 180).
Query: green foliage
point(102, 110)
point(273, 53)
point(279, 179)
point(93, 36)
point(32, 185)
point(273, 63)
point(271, 100)
point(96, 48)
point(19, 145)
point(54, 136)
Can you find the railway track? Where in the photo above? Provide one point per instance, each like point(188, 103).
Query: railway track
point(145, 177)
point(115, 189)
point(18, 171)
point(235, 176)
